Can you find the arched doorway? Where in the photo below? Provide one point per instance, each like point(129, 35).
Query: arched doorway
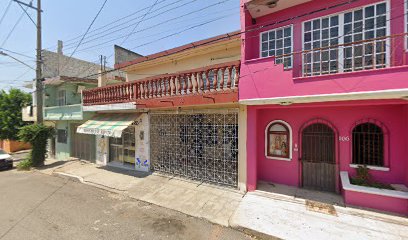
point(318, 157)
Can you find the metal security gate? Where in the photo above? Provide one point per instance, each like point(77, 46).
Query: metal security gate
point(201, 147)
point(82, 145)
point(318, 158)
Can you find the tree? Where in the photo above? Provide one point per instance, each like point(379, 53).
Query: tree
point(37, 135)
point(11, 120)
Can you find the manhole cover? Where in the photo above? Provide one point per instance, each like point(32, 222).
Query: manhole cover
point(321, 207)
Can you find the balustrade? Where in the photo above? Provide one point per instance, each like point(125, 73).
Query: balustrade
point(217, 78)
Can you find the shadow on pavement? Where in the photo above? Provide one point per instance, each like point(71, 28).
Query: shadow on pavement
point(132, 173)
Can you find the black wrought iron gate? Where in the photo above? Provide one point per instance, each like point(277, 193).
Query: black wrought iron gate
point(318, 158)
point(201, 147)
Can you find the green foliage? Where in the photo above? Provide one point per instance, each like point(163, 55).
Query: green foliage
point(11, 120)
point(363, 178)
point(25, 165)
point(37, 135)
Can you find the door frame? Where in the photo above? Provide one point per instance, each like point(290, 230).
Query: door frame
point(336, 147)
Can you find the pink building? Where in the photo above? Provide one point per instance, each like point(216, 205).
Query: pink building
point(326, 89)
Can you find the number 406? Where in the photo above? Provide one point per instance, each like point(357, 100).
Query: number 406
point(344, 138)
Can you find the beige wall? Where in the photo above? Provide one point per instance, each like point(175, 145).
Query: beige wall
point(242, 137)
point(191, 59)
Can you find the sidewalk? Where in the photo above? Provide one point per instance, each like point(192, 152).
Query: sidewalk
point(288, 217)
point(265, 212)
point(215, 204)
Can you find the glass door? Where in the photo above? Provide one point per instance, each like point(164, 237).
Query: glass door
point(122, 150)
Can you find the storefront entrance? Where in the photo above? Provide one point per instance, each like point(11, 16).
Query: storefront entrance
point(201, 147)
point(122, 150)
point(318, 158)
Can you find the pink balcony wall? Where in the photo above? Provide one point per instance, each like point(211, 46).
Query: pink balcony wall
point(261, 78)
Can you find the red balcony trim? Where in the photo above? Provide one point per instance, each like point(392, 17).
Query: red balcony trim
point(190, 100)
point(181, 84)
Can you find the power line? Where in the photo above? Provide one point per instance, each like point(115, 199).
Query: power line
point(5, 12)
point(158, 24)
point(17, 53)
point(184, 30)
point(167, 30)
point(137, 24)
point(89, 27)
point(106, 25)
point(14, 27)
point(109, 33)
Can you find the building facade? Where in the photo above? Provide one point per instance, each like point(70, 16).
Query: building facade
point(325, 87)
point(177, 114)
point(64, 80)
point(63, 110)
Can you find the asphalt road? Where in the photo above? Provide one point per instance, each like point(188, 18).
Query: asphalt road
point(37, 206)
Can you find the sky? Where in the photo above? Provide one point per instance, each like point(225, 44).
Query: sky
point(127, 23)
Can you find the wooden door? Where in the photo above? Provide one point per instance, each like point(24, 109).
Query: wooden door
point(318, 158)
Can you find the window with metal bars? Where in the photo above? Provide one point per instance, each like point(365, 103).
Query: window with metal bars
point(368, 145)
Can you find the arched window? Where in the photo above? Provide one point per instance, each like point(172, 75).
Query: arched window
point(278, 140)
point(368, 145)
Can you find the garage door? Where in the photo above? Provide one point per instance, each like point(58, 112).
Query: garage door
point(82, 145)
point(201, 147)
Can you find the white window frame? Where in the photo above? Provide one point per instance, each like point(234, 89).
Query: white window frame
point(291, 43)
point(290, 140)
point(341, 33)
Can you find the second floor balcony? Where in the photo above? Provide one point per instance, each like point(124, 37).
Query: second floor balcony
point(65, 112)
point(216, 84)
point(353, 69)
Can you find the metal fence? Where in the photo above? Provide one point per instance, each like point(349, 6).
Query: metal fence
point(197, 146)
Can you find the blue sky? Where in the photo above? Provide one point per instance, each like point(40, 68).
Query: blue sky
point(68, 20)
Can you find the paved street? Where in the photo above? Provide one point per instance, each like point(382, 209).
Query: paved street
point(38, 206)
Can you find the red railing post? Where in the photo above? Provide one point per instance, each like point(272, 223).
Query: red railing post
point(215, 79)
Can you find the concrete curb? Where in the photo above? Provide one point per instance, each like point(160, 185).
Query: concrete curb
point(69, 177)
point(83, 181)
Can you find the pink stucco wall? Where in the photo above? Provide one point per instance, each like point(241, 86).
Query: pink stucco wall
point(342, 115)
point(261, 78)
point(391, 204)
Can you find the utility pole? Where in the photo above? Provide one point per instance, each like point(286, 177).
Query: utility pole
point(38, 75)
point(38, 78)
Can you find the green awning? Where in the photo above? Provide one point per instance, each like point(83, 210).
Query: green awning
point(109, 125)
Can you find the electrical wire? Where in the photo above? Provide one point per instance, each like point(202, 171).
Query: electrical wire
point(17, 53)
point(6, 11)
point(155, 25)
point(189, 20)
point(87, 30)
point(106, 25)
point(137, 24)
point(14, 27)
point(121, 26)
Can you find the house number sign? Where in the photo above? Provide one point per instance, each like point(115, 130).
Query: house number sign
point(344, 138)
